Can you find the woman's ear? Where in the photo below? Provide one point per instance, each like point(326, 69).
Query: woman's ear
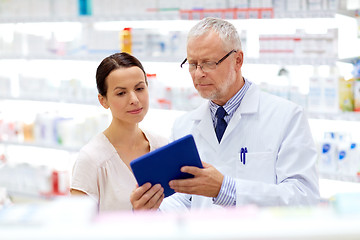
point(103, 101)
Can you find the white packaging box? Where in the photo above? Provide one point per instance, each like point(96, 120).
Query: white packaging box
point(315, 94)
point(293, 5)
point(103, 43)
point(242, 4)
point(5, 89)
point(255, 4)
point(186, 4)
point(279, 5)
point(357, 94)
point(36, 45)
point(331, 97)
point(267, 4)
point(333, 4)
point(64, 8)
point(315, 5)
point(39, 8)
point(332, 47)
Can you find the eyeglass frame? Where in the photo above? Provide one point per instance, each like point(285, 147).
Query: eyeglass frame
point(216, 63)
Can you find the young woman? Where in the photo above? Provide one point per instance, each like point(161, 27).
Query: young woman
point(102, 169)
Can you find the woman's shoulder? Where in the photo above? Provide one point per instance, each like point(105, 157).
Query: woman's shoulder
point(96, 141)
point(156, 140)
point(97, 149)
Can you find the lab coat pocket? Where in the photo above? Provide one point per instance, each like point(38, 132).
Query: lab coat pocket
point(259, 166)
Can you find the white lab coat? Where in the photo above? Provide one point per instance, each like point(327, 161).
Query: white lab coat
point(280, 167)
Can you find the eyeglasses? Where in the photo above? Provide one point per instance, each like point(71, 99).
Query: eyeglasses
point(205, 66)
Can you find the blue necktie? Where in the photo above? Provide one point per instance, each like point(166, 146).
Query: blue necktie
point(221, 123)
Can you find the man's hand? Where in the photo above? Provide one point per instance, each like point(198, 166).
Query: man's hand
point(147, 197)
point(207, 181)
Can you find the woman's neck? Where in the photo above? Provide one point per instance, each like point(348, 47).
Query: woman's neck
point(129, 141)
point(124, 135)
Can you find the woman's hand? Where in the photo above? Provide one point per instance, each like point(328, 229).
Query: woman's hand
point(147, 197)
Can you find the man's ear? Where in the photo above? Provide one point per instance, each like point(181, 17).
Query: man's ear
point(103, 101)
point(239, 59)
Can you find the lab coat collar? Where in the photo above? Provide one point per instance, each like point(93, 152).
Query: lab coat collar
point(205, 127)
point(249, 105)
point(201, 112)
point(250, 102)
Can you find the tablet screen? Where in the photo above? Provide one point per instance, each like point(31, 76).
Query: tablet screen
point(163, 164)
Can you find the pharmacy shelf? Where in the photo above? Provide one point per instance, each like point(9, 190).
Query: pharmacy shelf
point(29, 197)
point(340, 177)
point(352, 60)
point(87, 57)
point(157, 120)
point(93, 57)
point(146, 16)
point(292, 61)
point(38, 145)
point(330, 188)
point(339, 116)
point(176, 59)
point(332, 221)
point(176, 14)
point(343, 116)
point(305, 14)
point(350, 13)
point(36, 99)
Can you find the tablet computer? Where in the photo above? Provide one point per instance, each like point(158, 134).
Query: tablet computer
point(163, 164)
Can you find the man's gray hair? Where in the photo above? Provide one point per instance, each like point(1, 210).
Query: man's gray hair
point(227, 32)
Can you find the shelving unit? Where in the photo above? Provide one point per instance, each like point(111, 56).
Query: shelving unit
point(340, 116)
point(173, 21)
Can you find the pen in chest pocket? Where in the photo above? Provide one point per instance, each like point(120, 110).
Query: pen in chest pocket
point(242, 155)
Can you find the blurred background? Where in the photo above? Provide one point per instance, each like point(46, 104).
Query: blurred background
point(307, 51)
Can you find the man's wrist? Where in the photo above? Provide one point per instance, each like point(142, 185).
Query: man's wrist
point(227, 193)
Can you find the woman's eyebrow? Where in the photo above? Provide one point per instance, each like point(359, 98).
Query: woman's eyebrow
point(139, 83)
point(121, 88)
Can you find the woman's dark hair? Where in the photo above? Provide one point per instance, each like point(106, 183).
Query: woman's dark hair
point(111, 63)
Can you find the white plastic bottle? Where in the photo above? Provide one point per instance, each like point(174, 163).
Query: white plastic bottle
point(354, 157)
point(344, 156)
point(330, 91)
point(315, 97)
point(328, 154)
